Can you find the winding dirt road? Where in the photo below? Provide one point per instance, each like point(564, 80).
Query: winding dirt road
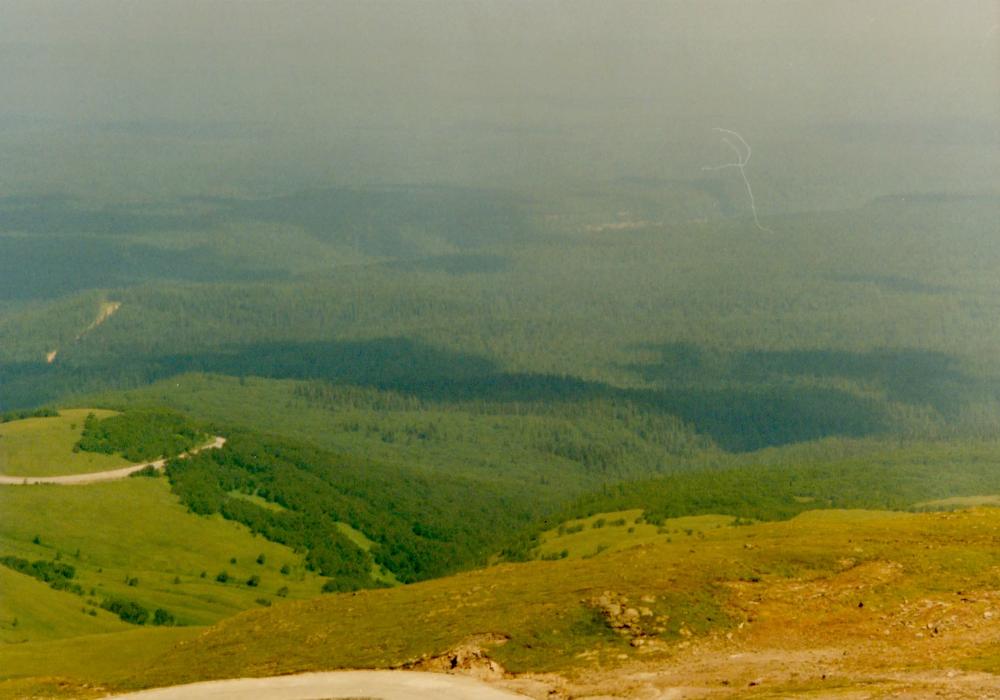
point(377, 685)
point(109, 475)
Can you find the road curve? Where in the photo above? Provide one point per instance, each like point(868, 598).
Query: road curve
point(378, 685)
point(110, 475)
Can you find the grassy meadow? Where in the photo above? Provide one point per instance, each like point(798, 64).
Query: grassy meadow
point(44, 446)
point(30, 611)
point(132, 539)
point(583, 538)
point(85, 666)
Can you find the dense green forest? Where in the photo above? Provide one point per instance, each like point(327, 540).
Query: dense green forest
point(140, 435)
point(445, 370)
point(827, 315)
point(779, 486)
point(28, 413)
point(425, 517)
point(422, 526)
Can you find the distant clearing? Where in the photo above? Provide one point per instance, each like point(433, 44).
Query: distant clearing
point(107, 310)
point(358, 538)
point(44, 446)
point(355, 536)
point(611, 532)
point(257, 501)
point(958, 502)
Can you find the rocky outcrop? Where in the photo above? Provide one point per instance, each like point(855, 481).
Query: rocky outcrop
point(638, 623)
point(469, 658)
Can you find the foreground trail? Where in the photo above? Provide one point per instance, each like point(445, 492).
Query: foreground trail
point(109, 475)
point(385, 685)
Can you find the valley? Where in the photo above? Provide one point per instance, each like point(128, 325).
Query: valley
point(570, 351)
point(432, 444)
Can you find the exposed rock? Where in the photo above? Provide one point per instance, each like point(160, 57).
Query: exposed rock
point(626, 620)
point(469, 658)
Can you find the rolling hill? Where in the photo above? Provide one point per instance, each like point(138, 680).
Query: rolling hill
point(831, 602)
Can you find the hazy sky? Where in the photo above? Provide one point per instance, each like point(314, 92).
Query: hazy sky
point(519, 63)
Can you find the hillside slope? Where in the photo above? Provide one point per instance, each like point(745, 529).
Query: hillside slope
point(841, 602)
point(131, 539)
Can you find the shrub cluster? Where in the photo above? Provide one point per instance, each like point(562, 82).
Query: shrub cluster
point(9, 416)
point(58, 575)
point(135, 614)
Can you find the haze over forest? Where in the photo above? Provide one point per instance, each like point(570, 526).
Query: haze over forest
point(639, 339)
point(495, 92)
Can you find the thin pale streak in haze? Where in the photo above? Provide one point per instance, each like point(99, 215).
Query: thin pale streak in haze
point(742, 158)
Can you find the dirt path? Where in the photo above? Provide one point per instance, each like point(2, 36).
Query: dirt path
point(109, 475)
point(381, 685)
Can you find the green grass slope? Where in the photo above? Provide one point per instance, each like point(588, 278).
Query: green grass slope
point(549, 611)
point(30, 610)
point(132, 539)
point(610, 532)
point(730, 587)
point(83, 666)
point(44, 446)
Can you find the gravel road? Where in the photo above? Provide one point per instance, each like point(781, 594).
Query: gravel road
point(109, 475)
point(335, 685)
